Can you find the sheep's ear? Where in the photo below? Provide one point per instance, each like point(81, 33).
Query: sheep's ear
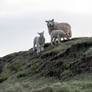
point(52, 19)
point(43, 32)
point(46, 21)
point(38, 33)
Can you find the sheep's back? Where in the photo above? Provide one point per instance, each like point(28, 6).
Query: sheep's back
point(62, 26)
point(55, 33)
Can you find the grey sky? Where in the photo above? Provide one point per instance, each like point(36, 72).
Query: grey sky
point(20, 20)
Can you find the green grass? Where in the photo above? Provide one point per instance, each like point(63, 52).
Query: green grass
point(79, 83)
point(26, 72)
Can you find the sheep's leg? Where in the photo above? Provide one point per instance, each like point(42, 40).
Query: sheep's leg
point(34, 47)
point(67, 37)
point(59, 39)
point(38, 49)
point(42, 48)
point(52, 41)
point(55, 41)
point(63, 39)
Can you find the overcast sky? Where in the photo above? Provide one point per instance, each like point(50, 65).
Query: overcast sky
point(20, 20)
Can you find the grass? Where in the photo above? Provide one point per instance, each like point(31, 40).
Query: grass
point(26, 72)
point(79, 83)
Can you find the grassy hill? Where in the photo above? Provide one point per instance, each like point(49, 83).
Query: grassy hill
point(63, 68)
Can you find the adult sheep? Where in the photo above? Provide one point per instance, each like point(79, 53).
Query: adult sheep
point(59, 26)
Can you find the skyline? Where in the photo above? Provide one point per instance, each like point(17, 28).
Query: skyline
point(20, 20)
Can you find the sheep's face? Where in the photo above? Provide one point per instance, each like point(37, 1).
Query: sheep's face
point(41, 34)
point(50, 23)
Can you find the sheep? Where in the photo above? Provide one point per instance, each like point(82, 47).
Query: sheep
point(57, 35)
point(59, 26)
point(39, 42)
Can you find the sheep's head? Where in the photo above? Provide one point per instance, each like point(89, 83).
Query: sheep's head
point(50, 23)
point(41, 34)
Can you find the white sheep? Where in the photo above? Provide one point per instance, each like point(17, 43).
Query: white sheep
point(52, 25)
point(57, 35)
point(39, 42)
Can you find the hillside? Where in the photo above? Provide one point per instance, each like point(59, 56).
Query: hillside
point(63, 68)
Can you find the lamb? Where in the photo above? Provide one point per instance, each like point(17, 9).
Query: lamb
point(39, 42)
point(59, 26)
point(57, 35)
